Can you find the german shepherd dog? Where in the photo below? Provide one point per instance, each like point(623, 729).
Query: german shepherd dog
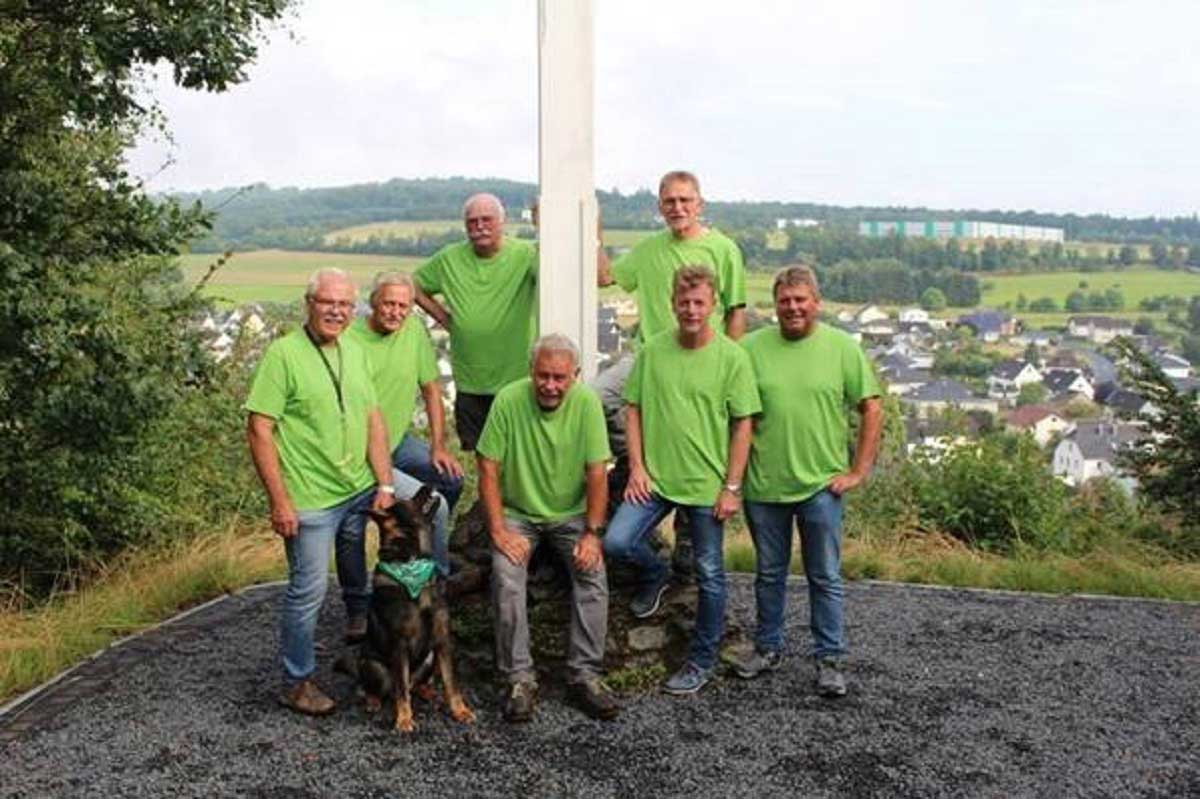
point(403, 631)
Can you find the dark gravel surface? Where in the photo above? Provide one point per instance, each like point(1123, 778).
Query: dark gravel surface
point(953, 693)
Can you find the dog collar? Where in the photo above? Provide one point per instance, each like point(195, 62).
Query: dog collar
point(412, 574)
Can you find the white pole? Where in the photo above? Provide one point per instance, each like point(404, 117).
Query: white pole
point(566, 154)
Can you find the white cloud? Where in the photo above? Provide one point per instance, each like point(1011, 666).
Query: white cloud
point(987, 104)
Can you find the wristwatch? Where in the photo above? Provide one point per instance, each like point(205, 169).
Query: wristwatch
point(734, 488)
point(599, 531)
point(386, 488)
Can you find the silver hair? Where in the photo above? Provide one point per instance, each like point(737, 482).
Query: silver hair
point(485, 196)
point(391, 279)
point(554, 342)
point(327, 273)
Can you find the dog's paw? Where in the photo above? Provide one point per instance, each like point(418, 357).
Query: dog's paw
point(460, 712)
point(372, 704)
point(404, 719)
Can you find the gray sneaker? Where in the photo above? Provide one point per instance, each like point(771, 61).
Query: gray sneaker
point(756, 663)
point(688, 680)
point(647, 599)
point(831, 678)
point(518, 704)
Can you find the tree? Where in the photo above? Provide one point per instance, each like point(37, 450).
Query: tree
point(1031, 394)
point(1159, 253)
point(932, 299)
point(1043, 305)
point(94, 342)
point(1166, 461)
point(1076, 301)
point(1127, 256)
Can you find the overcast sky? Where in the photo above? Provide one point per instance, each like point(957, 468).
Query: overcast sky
point(1054, 105)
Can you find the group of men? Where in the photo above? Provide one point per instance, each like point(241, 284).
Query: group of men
point(708, 420)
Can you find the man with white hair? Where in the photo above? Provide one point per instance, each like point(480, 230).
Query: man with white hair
point(318, 441)
point(403, 362)
point(542, 460)
point(488, 287)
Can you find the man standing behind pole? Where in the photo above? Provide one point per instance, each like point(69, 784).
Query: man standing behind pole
point(402, 360)
point(318, 441)
point(690, 398)
point(489, 284)
point(648, 272)
point(799, 470)
point(542, 461)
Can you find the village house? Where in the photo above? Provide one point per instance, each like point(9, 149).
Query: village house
point(943, 393)
point(1007, 378)
point(1100, 329)
point(914, 315)
point(989, 325)
point(1173, 366)
point(1090, 450)
point(1040, 421)
point(1068, 384)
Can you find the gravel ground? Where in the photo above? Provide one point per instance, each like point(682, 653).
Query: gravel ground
point(953, 693)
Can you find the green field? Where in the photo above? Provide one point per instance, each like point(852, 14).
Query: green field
point(279, 276)
point(409, 228)
point(1135, 284)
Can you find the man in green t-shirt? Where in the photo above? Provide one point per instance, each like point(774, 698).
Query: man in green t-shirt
point(488, 287)
point(690, 399)
point(319, 444)
point(542, 459)
point(808, 373)
point(402, 362)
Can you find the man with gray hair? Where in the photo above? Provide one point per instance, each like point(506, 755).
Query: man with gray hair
point(318, 441)
point(402, 361)
point(488, 286)
point(541, 462)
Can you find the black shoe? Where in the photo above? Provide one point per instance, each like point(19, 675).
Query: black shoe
point(645, 603)
point(519, 703)
point(594, 699)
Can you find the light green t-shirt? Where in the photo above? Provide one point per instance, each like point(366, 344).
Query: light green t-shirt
point(401, 363)
point(542, 454)
point(322, 452)
point(800, 441)
point(687, 399)
point(648, 270)
point(491, 304)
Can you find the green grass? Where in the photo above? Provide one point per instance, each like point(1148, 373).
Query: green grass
point(1135, 284)
point(279, 275)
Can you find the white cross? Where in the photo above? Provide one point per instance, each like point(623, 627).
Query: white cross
point(566, 154)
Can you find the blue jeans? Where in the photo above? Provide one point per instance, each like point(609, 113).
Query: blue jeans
point(411, 456)
point(308, 573)
point(820, 520)
point(626, 539)
point(342, 526)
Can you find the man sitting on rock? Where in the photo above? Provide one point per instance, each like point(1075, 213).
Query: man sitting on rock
point(541, 462)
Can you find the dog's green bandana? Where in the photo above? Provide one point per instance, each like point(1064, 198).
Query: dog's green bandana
point(412, 574)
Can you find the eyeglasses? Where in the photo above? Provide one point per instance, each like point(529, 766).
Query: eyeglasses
point(327, 304)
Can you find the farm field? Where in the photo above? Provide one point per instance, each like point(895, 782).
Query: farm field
point(1135, 284)
point(278, 275)
point(407, 228)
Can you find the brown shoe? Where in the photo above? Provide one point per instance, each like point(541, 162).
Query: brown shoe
point(520, 701)
point(356, 629)
point(305, 697)
point(594, 699)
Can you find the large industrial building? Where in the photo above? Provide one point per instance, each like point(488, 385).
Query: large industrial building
point(960, 229)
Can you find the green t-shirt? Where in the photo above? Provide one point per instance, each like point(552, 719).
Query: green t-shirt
point(687, 399)
point(491, 304)
point(800, 441)
point(648, 270)
point(322, 453)
point(542, 454)
point(401, 363)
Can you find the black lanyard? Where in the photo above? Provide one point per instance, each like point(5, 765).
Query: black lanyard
point(335, 379)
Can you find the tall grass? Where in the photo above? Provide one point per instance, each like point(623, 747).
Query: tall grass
point(136, 592)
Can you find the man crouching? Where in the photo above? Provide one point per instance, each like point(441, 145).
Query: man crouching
point(542, 459)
